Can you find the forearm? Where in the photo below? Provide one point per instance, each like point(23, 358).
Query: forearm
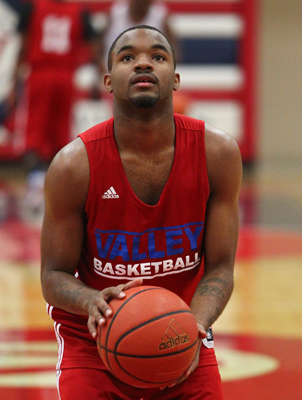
point(63, 290)
point(211, 296)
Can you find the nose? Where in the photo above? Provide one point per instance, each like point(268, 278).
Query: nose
point(143, 62)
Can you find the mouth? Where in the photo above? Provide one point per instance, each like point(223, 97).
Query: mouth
point(143, 80)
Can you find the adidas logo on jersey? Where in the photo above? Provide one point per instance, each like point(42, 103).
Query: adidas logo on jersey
point(110, 194)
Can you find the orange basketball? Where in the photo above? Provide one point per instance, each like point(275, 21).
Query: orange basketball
point(151, 338)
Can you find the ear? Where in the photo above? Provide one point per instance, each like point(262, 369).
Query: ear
point(107, 83)
point(176, 82)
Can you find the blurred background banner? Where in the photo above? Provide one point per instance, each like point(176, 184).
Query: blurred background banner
point(218, 59)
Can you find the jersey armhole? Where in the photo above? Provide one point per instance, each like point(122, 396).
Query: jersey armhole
point(204, 158)
point(88, 200)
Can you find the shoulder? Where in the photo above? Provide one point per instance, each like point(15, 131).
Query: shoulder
point(188, 123)
point(223, 158)
point(219, 143)
point(99, 131)
point(67, 178)
point(71, 156)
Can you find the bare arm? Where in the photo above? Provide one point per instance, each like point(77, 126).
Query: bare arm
point(63, 228)
point(66, 188)
point(221, 227)
point(221, 234)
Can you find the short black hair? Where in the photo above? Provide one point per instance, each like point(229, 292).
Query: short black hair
point(109, 59)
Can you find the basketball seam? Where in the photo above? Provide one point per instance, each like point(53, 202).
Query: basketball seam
point(116, 353)
point(148, 322)
point(157, 356)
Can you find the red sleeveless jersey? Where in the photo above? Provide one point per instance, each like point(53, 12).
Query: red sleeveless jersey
point(126, 238)
point(56, 31)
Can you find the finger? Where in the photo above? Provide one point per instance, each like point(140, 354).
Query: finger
point(194, 363)
point(92, 325)
point(164, 386)
point(102, 310)
point(202, 334)
point(136, 282)
point(181, 379)
point(113, 292)
point(190, 370)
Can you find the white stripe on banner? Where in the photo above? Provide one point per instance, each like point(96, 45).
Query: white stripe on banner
point(226, 115)
point(212, 77)
point(225, 26)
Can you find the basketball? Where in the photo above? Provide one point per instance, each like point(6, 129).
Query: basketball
point(151, 338)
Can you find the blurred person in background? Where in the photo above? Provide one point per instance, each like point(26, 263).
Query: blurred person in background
point(125, 14)
point(52, 32)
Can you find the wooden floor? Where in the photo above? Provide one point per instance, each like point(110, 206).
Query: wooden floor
point(258, 339)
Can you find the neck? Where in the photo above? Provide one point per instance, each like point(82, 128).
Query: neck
point(143, 131)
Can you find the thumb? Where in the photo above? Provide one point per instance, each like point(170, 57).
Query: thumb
point(202, 334)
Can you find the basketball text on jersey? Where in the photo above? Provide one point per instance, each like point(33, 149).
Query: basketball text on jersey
point(154, 252)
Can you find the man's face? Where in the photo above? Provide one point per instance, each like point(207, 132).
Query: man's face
point(142, 69)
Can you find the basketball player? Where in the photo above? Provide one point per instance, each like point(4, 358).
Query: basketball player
point(51, 32)
point(146, 195)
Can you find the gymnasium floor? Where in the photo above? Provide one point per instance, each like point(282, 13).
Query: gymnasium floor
point(258, 339)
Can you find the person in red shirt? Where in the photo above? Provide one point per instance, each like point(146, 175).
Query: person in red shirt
point(52, 33)
point(147, 197)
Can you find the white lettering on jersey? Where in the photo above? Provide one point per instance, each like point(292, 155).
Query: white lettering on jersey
point(147, 270)
point(56, 34)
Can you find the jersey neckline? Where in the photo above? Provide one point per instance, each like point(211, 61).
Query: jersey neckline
point(125, 180)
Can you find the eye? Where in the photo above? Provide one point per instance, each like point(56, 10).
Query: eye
point(127, 58)
point(159, 57)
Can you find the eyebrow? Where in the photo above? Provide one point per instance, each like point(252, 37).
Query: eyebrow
point(155, 46)
point(127, 47)
point(160, 46)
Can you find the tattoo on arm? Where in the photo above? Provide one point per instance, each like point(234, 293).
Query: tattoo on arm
point(208, 289)
point(217, 280)
point(219, 290)
point(66, 295)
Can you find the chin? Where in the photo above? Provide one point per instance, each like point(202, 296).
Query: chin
point(144, 101)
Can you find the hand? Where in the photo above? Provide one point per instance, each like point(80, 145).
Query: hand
point(98, 308)
point(202, 334)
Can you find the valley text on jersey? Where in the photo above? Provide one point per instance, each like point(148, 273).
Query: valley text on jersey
point(148, 254)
